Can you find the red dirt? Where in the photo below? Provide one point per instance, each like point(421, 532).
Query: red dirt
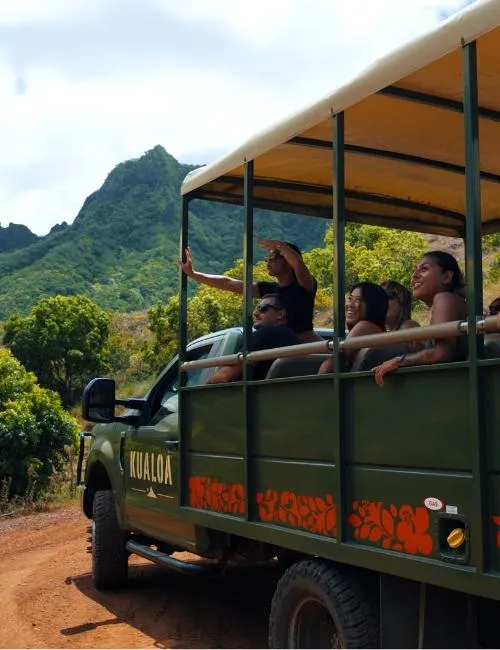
point(48, 601)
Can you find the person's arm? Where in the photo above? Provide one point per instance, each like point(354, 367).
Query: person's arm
point(326, 366)
point(225, 375)
point(302, 273)
point(360, 329)
point(444, 310)
point(217, 281)
point(412, 346)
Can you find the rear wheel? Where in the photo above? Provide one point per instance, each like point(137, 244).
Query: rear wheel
point(317, 606)
point(109, 555)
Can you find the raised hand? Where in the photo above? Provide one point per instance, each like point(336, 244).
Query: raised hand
point(270, 244)
point(187, 266)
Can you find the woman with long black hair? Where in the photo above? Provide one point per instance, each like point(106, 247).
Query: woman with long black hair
point(438, 281)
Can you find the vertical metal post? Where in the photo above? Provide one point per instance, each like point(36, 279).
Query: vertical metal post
point(338, 186)
point(247, 321)
point(473, 254)
point(183, 243)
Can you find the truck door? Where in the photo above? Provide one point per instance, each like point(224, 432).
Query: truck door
point(151, 455)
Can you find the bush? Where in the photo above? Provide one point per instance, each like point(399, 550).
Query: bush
point(35, 431)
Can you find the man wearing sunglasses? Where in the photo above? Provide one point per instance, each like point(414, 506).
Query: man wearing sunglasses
point(294, 283)
point(270, 331)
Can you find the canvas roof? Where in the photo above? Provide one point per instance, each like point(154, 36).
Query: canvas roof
point(404, 137)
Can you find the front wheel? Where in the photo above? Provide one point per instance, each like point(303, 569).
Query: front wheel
point(317, 606)
point(109, 555)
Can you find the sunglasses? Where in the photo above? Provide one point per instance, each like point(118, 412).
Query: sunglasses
point(273, 256)
point(262, 309)
point(392, 295)
point(494, 309)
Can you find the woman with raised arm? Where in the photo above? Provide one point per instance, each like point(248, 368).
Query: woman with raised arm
point(294, 283)
point(438, 282)
point(365, 313)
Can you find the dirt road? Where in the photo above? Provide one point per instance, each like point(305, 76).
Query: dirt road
point(47, 599)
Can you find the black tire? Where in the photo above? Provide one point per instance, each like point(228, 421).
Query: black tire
point(316, 605)
point(109, 555)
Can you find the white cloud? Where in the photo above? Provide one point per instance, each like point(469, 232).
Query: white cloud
point(14, 12)
point(62, 132)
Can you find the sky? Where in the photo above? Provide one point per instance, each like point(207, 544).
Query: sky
point(87, 84)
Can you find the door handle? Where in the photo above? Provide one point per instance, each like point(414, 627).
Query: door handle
point(172, 445)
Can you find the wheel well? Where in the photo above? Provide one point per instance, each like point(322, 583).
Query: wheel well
point(98, 479)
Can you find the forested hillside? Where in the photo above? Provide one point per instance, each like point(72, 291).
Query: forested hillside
point(121, 250)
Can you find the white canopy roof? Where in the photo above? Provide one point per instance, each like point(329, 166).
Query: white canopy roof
point(404, 137)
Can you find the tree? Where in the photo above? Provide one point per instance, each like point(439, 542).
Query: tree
point(371, 253)
point(63, 340)
point(34, 430)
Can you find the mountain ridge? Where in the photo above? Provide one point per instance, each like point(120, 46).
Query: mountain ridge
point(122, 248)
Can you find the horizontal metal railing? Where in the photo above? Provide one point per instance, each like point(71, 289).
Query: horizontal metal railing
point(441, 331)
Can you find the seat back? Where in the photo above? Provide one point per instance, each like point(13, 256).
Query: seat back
point(368, 358)
point(296, 366)
point(492, 346)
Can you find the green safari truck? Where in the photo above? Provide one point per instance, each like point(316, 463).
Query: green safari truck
point(382, 506)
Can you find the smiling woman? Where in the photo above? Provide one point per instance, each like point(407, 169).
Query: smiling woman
point(365, 313)
point(438, 282)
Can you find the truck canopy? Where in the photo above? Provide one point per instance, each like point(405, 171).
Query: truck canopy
point(408, 178)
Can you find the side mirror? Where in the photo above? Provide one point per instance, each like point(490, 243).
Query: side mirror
point(98, 402)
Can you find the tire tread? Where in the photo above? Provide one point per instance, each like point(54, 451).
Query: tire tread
point(356, 614)
point(109, 555)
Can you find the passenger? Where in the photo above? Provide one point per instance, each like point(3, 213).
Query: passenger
point(271, 331)
point(494, 307)
point(399, 309)
point(399, 312)
point(438, 282)
point(294, 282)
point(365, 313)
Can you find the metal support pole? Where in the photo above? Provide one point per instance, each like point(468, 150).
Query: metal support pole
point(473, 254)
point(338, 186)
point(248, 321)
point(183, 243)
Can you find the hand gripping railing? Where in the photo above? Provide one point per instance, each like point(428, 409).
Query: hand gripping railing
point(441, 331)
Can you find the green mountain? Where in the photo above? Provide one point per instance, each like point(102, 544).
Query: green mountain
point(122, 248)
point(15, 236)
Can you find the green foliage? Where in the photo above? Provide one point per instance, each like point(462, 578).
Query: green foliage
point(35, 431)
point(491, 243)
point(164, 324)
point(371, 253)
point(64, 341)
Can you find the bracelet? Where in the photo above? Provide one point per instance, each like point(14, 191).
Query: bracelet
point(402, 358)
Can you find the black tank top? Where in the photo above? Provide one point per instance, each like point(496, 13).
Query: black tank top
point(298, 301)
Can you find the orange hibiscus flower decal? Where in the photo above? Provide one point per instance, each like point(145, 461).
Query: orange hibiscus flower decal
point(496, 520)
point(209, 494)
point(412, 529)
point(315, 514)
point(399, 529)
